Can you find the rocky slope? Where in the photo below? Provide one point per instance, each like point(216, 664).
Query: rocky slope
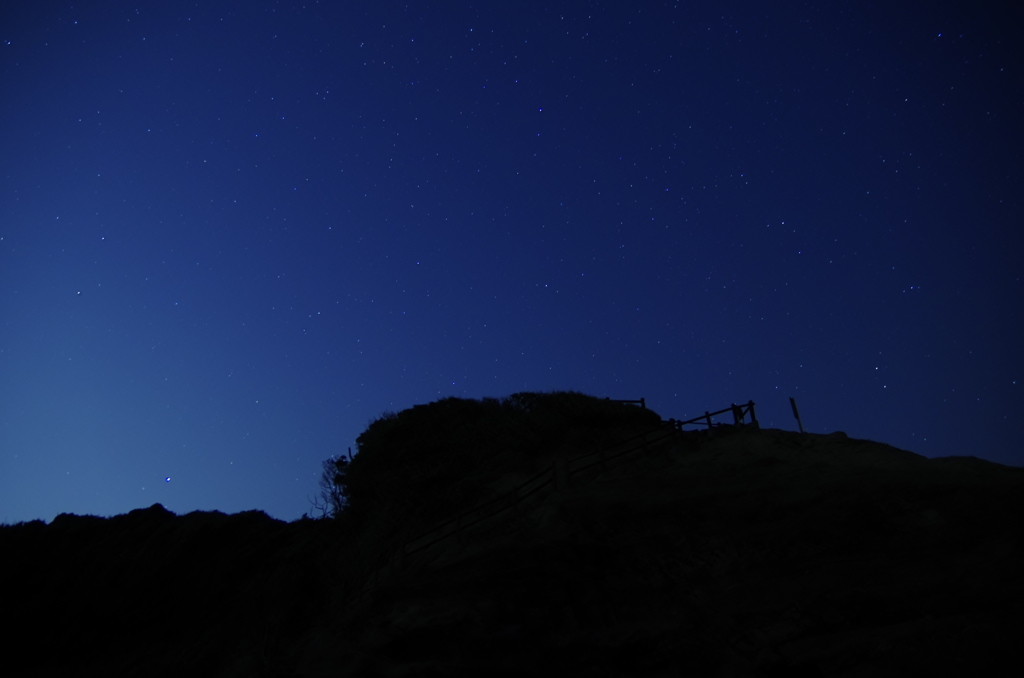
point(755, 553)
point(744, 553)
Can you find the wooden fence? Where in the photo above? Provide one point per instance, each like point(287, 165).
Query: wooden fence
point(558, 475)
point(739, 415)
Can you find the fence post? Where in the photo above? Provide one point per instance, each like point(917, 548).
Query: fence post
point(753, 418)
point(796, 414)
point(707, 416)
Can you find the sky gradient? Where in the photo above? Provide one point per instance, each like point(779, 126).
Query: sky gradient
point(232, 234)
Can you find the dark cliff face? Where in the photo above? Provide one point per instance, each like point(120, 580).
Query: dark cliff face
point(747, 552)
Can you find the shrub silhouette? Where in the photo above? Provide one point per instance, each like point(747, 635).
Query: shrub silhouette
point(427, 463)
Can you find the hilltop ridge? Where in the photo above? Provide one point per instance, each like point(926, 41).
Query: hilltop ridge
point(735, 551)
point(769, 551)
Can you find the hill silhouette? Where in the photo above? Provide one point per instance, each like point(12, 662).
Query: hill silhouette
point(606, 543)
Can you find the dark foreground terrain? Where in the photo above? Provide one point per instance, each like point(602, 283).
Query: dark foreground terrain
point(747, 553)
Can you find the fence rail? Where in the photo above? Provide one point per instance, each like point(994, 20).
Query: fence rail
point(739, 414)
point(558, 475)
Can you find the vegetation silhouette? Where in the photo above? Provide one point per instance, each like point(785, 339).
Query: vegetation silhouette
point(424, 464)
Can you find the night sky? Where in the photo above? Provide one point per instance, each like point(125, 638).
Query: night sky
point(233, 233)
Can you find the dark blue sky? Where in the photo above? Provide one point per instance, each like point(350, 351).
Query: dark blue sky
point(232, 234)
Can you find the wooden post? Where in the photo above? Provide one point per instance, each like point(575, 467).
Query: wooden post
point(796, 413)
point(753, 419)
point(707, 415)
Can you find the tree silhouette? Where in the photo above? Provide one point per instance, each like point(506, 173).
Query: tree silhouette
point(333, 487)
